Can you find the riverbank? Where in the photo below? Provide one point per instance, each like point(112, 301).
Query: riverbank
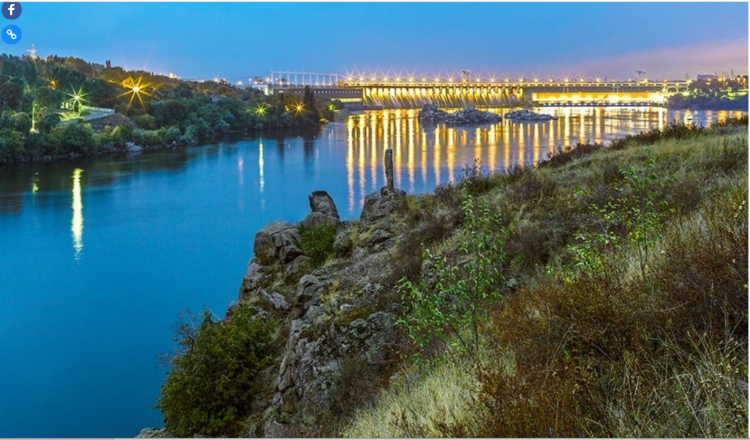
point(149, 144)
point(553, 294)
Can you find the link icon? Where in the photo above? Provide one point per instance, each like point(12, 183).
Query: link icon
point(11, 34)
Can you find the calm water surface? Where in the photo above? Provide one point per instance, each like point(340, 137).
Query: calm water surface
point(98, 257)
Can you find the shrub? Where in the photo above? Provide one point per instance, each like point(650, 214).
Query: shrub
point(456, 298)
point(210, 385)
point(145, 121)
point(476, 178)
point(11, 145)
point(75, 137)
point(121, 134)
point(317, 242)
point(172, 135)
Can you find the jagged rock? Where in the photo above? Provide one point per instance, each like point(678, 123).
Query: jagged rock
point(342, 244)
point(465, 116)
point(154, 433)
point(297, 267)
point(317, 219)
point(380, 204)
point(321, 202)
point(359, 254)
point(526, 115)
point(274, 300)
point(274, 429)
point(379, 236)
point(288, 245)
point(309, 289)
point(253, 278)
point(431, 112)
point(265, 247)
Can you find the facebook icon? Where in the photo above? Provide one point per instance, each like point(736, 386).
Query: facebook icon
point(11, 10)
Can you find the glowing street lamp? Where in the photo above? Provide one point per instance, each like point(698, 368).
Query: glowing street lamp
point(136, 89)
point(77, 99)
point(299, 108)
point(261, 110)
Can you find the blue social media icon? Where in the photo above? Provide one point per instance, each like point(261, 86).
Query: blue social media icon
point(11, 34)
point(11, 10)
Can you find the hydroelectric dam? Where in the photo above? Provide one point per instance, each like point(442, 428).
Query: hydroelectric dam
point(413, 92)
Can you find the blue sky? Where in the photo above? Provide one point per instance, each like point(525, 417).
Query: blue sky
point(238, 40)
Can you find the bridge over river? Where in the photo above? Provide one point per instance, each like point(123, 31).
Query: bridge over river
point(406, 93)
point(412, 94)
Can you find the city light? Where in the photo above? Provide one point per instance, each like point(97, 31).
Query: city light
point(77, 98)
point(136, 89)
point(299, 108)
point(261, 109)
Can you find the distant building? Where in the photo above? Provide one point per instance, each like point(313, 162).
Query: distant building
point(265, 88)
point(706, 77)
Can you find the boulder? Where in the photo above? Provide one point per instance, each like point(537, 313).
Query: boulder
point(274, 429)
point(342, 244)
point(274, 300)
point(154, 433)
point(309, 289)
point(380, 204)
point(279, 241)
point(318, 219)
point(321, 202)
point(287, 245)
point(265, 246)
point(297, 267)
point(253, 278)
point(430, 112)
point(465, 116)
point(526, 115)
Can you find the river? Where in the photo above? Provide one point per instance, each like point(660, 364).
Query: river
point(99, 256)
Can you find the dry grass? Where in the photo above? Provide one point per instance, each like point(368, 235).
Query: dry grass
point(423, 404)
point(611, 354)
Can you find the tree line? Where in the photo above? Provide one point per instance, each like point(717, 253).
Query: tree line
point(43, 103)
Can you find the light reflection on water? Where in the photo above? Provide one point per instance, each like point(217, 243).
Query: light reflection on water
point(497, 146)
point(77, 221)
point(171, 229)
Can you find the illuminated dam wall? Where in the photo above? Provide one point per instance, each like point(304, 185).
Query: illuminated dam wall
point(399, 95)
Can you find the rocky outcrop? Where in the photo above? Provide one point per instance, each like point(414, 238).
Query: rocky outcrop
point(465, 116)
point(321, 202)
point(330, 317)
point(154, 433)
point(378, 205)
point(527, 115)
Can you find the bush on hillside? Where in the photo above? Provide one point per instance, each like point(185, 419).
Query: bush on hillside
point(210, 385)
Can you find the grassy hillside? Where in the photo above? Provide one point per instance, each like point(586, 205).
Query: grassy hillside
point(611, 300)
point(603, 293)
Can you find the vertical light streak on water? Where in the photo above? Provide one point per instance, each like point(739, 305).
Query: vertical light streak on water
point(410, 164)
point(450, 153)
point(350, 162)
point(261, 167)
point(397, 154)
point(492, 147)
point(436, 157)
point(361, 153)
point(76, 225)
